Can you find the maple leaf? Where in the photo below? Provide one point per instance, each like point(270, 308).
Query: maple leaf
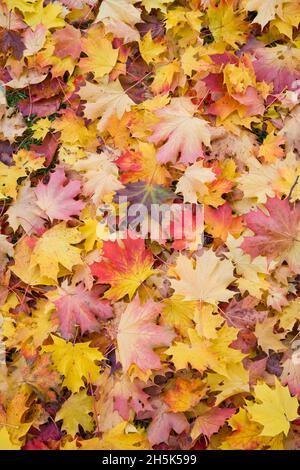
point(275, 234)
point(226, 24)
point(54, 248)
point(242, 314)
point(156, 4)
point(9, 180)
point(105, 100)
point(130, 396)
point(24, 270)
point(145, 193)
point(289, 130)
point(138, 334)
point(73, 130)
point(150, 50)
point(56, 199)
point(197, 354)
point(119, 17)
point(271, 147)
point(101, 56)
point(207, 321)
point(40, 377)
point(235, 381)
point(25, 212)
point(76, 412)
point(163, 423)
point(279, 66)
point(210, 421)
point(245, 435)
point(11, 125)
point(34, 40)
point(125, 266)
point(123, 436)
point(76, 306)
point(16, 409)
point(220, 222)
point(185, 395)
point(184, 133)
point(275, 408)
point(13, 41)
point(5, 442)
point(74, 361)
point(178, 313)
point(67, 42)
point(99, 174)
point(291, 373)
point(142, 165)
point(258, 181)
point(206, 279)
point(266, 337)
point(193, 182)
point(266, 11)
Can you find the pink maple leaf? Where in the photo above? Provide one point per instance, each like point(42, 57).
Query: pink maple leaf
point(56, 198)
point(163, 423)
point(67, 42)
point(138, 334)
point(211, 421)
point(78, 306)
point(130, 395)
point(276, 233)
point(182, 132)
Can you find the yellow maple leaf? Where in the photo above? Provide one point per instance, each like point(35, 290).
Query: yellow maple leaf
point(17, 427)
point(76, 411)
point(156, 4)
point(101, 56)
point(22, 5)
point(275, 408)
point(206, 279)
point(54, 248)
point(164, 76)
point(266, 337)
point(290, 314)
point(51, 16)
point(198, 354)
point(246, 435)
point(150, 50)
point(235, 381)
point(5, 442)
point(220, 346)
point(74, 361)
point(207, 321)
point(124, 436)
point(24, 269)
point(180, 18)
point(28, 160)
point(226, 24)
point(185, 394)
point(88, 230)
point(270, 149)
point(266, 10)
point(104, 101)
point(41, 128)
point(9, 180)
point(178, 313)
point(74, 131)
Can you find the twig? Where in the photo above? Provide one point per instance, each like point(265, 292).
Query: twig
point(293, 187)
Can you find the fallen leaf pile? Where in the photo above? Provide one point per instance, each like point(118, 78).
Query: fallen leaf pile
point(142, 343)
